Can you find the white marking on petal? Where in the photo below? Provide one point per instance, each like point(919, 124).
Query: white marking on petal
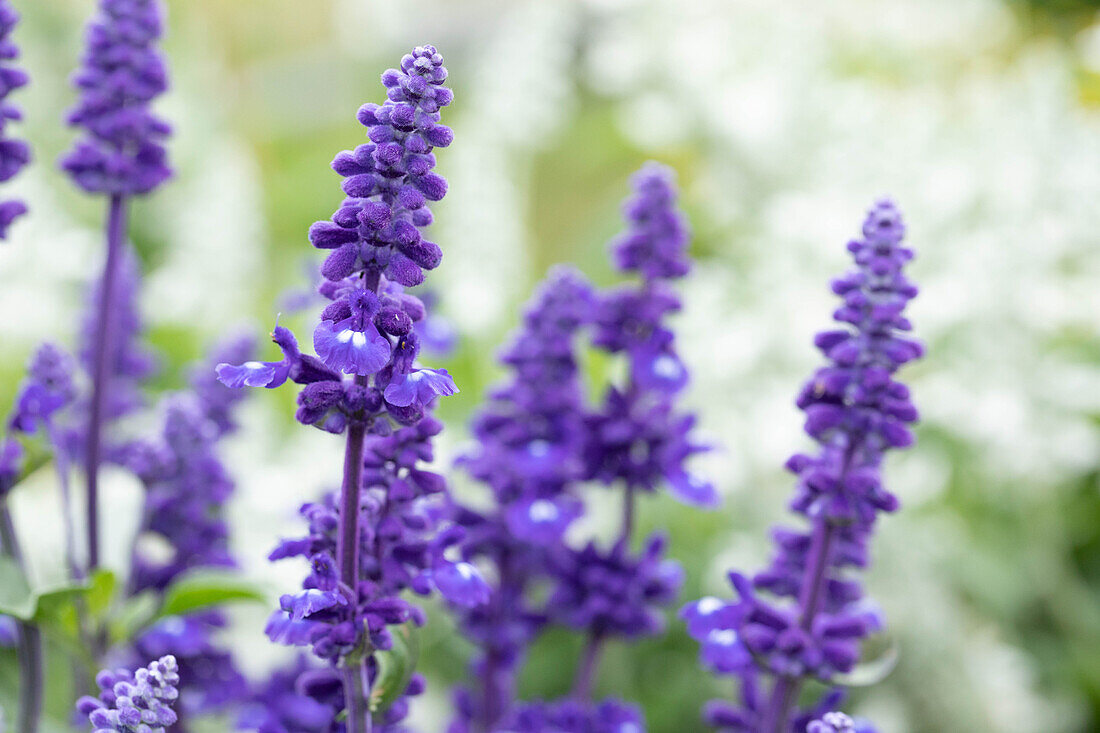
point(666, 367)
point(708, 605)
point(543, 511)
point(358, 339)
point(253, 365)
point(722, 637)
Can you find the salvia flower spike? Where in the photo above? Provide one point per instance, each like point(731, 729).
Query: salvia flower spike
point(14, 154)
point(530, 438)
point(372, 542)
point(856, 411)
point(134, 702)
point(120, 154)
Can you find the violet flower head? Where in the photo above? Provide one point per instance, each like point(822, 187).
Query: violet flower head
point(390, 179)
point(47, 390)
point(14, 154)
point(608, 716)
point(122, 150)
point(639, 436)
point(614, 593)
point(134, 702)
point(184, 517)
point(529, 439)
point(369, 325)
point(655, 245)
point(400, 549)
point(856, 411)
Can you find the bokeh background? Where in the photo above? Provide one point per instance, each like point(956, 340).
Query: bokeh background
point(784, 121)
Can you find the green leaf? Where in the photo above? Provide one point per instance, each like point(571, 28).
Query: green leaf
point(201, 589)
point(19, 600)
point(16, 597)
point(101, 592)
point(133, 616)
point(395, 668)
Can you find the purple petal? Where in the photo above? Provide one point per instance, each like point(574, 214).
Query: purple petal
point(461, 584)
point(282, 630)
point(542, 521)
point(693, 491)
point(252, 374)
point(420, 387)
point(350, 351)
point(309, 602)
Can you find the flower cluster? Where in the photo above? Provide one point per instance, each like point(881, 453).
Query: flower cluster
point(383, 534)
point(530, 435)
point(400, 548)
point(855, 410)
point(538, 441)
point(134, 702)
point(614, 593)
point(14, 154)
point(639, 437)
point(122, 151)
point(304, 698)
point(47, 390)
point(186, 485)
point(186, 490)
point(609, 716)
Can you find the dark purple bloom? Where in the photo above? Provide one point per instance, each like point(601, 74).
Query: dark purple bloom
point(47, 389)
point(122, 149)
point(574, 716)
point(855, 411)
point(14, 154)
point(530, 435)
point(614, 592)
point(134, 702)
point(655, 246)
point(184, 521)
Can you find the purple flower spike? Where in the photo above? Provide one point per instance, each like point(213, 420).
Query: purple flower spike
point(14, 154)
point(122, 150)
point(656, 243)
point(805, 615)
point(134, 702)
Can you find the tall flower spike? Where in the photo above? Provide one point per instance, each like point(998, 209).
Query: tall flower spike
point(122, 150)
point(855, 411)
point(14, 154)
point(120, 154)
point(134, 702)
point(529, 442)
point(376, 538)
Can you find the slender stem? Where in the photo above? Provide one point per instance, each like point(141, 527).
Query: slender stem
point(29, 640)
point(62, 468)
point(347, 543)
point(586, 669)
point(629, 502)
point(347, 550)
point(102, 350)
point(355, 699)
